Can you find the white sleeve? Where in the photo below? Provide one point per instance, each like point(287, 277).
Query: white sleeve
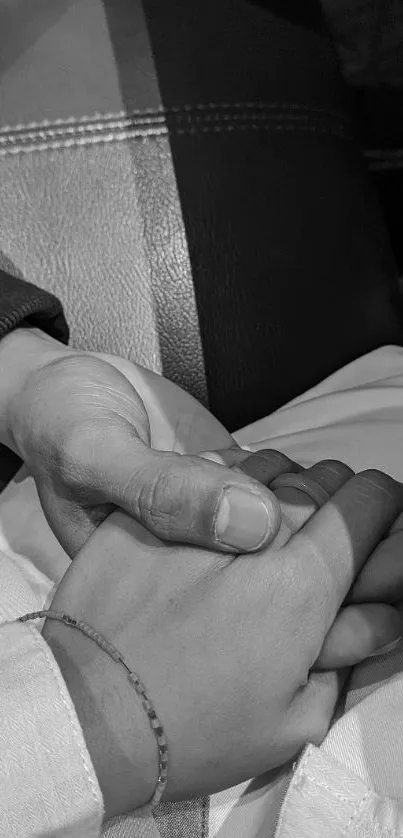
point(48, 785)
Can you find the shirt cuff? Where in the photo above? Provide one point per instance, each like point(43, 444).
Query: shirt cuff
point(48, 785)
point(325, 798)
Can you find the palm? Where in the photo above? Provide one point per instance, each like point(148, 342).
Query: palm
point(178, 422)
point(91, 416)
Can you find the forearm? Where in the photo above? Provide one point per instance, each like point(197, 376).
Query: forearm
point(115, 726)
point(22, 352)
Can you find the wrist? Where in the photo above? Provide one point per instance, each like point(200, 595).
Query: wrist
point(22, 352)
point(115, 727)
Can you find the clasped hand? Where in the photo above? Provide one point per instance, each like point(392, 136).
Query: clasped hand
point(235, 652)
point(243, 655)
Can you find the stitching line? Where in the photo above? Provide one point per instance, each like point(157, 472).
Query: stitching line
point(84, 141)
point(155, 133)
point(147, 121)
point(387, 165)
point(384, 159)
point(356, 812)
point(343, 798)
point(123, 115)
point(384, 153)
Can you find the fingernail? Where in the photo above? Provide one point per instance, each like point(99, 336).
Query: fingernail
point(213, 456)
point(242, 520)
point(388, 648)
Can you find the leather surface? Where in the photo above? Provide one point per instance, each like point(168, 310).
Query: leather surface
point(291, 261)
point(103, 246)
point(90, 210)
point(216, 224)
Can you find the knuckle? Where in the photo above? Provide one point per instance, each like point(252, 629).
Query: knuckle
point(373, 480)
point(267, 464)
point(147, 494)
point(156, 500)
point(273, 457)
point(337, 468)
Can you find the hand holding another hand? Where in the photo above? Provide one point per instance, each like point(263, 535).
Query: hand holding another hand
point(230, 649)
point(226, 646)
point(98, 433)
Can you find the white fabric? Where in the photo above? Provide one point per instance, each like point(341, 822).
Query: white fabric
point(47, 782)
point(327, 801)
point(356, 415)
point(48, 786)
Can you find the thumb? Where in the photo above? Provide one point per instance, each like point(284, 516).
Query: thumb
point(190, 499)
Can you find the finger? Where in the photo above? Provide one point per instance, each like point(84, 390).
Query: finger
point(359, 632)
point(189, 499)
point(267, 464)
point(264, 465)
point(333, 546)
point(381, 579)
point(397, 525)
point(230, 457)
point(310, 714)
point(297, 507)
point(313, 707)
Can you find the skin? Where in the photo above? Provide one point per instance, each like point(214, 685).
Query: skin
point(98, 432)
point(91, 428)
point(231, 649)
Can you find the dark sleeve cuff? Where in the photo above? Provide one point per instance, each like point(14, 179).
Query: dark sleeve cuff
point(20, 300)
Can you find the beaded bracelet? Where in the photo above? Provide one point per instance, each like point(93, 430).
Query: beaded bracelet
point(134, 679)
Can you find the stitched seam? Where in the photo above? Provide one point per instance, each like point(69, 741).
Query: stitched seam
point(384, 153)
point(385, 159)
point(73, 721)
point(320, 785)
point(154, 134)
point(356, 812)
point(76, 142)
point(342, 798)
point(98, 127)
point(119, 115)
point(388, 166)
point(76, 131)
